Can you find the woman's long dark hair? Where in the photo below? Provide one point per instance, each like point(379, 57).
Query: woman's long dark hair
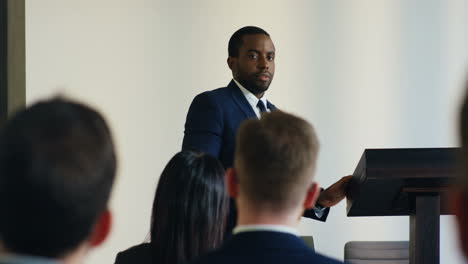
point(189, 208)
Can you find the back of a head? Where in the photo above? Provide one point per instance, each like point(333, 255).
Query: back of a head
point(189, 208)
point(460, 203)
point(57, 167)
point(463, 135)
point(275, 159)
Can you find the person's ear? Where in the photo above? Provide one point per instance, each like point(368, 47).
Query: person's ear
point(231, 183)
point(230, 62)
point(101, 229)
point(459, 208)
point(311, 196)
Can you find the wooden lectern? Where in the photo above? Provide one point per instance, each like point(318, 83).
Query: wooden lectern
point(414, 182)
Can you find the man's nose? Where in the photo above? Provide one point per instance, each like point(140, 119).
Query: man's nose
point(263, 63)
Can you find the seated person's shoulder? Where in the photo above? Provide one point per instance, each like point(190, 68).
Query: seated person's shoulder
point(232, 257)
point(136, 254)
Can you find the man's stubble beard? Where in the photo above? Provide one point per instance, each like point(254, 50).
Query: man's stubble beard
point(255, 89)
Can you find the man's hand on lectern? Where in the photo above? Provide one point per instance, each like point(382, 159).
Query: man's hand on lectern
point(335, 193)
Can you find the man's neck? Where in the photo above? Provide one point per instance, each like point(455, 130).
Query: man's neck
point(249, 215)
point(265, 219)
point(259, 95)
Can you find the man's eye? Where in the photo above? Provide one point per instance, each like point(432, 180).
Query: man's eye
point(271, 58)
point(253, 56)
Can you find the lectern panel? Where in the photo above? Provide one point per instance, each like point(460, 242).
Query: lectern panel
point(384, 178)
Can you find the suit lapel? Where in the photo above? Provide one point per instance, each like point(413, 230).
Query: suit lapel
point(240, 100)
point(271, 106)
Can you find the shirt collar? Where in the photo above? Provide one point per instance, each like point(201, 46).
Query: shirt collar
point(251, 98)
point(274, 228)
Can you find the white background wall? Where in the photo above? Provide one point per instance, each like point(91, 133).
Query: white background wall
point(366, 73)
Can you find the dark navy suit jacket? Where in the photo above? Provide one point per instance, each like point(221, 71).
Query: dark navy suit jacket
point(264, 247)
point(212, 122)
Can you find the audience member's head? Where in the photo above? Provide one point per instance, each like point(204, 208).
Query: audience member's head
point(189, 208)
point(274, 167)
point(57, 167)
point(460, 192)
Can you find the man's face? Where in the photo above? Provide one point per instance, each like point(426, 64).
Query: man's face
point(255, 66)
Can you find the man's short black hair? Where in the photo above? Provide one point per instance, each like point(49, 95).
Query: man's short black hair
point(57, 167)
point(235, 42)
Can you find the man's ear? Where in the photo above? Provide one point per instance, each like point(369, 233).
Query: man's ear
point(101, 229)
point(459, 208)
point(230, 62)
point(311, 196)
point(231, 183)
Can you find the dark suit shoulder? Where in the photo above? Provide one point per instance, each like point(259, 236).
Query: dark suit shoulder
point(136, 254)
point(265, 247)
point(216, 94)
point(272, 257)
point(221, 90)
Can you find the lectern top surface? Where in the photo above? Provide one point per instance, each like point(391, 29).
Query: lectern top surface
point(409, 158)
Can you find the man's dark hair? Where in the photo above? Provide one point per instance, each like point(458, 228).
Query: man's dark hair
point(57, 167)
point(235, 42)
point(463, 136)
point(189, 208)
point(460, 187)
point(462, 179)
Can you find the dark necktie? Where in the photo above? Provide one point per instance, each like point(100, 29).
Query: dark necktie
point(261, 106)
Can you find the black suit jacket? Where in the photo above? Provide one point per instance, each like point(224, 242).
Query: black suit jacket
point(264, 247)
point(140, 254)
point(212, 122)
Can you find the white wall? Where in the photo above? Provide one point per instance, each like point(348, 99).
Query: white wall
point(366, 73)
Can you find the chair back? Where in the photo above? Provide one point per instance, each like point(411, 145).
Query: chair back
point(377, 252)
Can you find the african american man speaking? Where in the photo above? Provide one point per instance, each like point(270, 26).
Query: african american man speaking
point(214, 116)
